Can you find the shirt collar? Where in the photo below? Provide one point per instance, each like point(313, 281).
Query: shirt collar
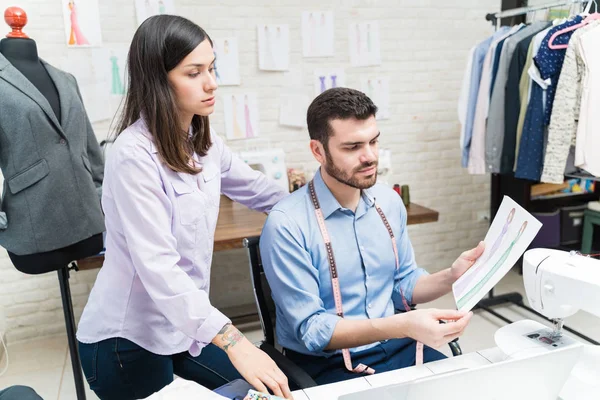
point(329, 203)
point(143, 127)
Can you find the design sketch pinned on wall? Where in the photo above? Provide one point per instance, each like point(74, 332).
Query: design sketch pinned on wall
point(118, 71)
point(328, 78)
point(147, 8)
point(241, 116)
point(82, 23)
point(92, 73)
point(228, 61)
point(365, 47)
point(116, 62)
point(378, 90)
point(317, 34)
point(273, 47)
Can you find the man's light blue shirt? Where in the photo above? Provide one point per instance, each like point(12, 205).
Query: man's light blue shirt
point(296, 265)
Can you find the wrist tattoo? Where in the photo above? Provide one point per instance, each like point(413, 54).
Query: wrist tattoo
point(224, 329)
point(230, 336)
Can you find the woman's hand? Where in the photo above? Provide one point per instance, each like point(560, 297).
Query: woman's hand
point(255, 366)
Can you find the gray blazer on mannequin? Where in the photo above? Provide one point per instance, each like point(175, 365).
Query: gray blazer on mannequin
point(52, 169)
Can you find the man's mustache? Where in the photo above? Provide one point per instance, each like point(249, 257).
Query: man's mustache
point(366, 165)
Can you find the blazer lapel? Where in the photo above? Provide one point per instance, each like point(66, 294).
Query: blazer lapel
point(64, 90)
point(13, 76)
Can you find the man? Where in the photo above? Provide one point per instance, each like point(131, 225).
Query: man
point(373, 282)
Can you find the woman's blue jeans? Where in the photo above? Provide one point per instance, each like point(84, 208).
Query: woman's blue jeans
point(118, 369)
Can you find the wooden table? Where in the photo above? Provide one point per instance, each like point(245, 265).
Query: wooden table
point(237, 222)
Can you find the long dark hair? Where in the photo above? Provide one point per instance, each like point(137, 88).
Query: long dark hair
point(159, 44)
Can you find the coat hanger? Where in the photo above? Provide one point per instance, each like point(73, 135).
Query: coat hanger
point(590, 18)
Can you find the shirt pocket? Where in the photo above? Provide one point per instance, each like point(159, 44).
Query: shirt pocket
point(211, 184)
point(189, 226)
point(188, 203)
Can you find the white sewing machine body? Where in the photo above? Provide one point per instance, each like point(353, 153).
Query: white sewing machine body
point(270, 162)
point(558, 284)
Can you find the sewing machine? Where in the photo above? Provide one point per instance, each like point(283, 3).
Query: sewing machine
point(558, 284)
point(270, 162)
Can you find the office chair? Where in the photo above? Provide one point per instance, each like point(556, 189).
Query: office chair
point(266, 313)
point(297, 377)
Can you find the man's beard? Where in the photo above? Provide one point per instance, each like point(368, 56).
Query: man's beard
point(350, 179)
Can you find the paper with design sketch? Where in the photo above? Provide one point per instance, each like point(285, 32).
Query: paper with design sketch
point(378, 90)
point(510, 234)
point(273, 47)
point(82, 23)
point(365, 47)
point(241, 116)
point(317, 34)
point(183, 389)
point(328, 78)
point(148, 8)
point(227, 65)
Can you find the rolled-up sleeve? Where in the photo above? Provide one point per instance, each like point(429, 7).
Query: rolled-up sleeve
point(245, 185)
point(294, 283)
point(406, 277)
point(146, 214)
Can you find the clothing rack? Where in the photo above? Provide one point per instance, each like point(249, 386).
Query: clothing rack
point(496, 17)
point(514, 297)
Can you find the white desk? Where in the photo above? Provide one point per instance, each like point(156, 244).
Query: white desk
point(334, 390)
point(184, 390)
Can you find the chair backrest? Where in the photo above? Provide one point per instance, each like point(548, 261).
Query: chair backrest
point(262, 290)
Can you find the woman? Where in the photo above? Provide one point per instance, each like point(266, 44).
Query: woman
point(149, 315)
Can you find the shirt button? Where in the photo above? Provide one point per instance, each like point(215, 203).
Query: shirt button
point(362, 248)
point(63, 141)
point(370, 306)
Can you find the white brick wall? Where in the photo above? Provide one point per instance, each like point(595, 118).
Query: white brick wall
point(424, 47)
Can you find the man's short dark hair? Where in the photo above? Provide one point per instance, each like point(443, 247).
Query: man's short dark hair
point(336, 103)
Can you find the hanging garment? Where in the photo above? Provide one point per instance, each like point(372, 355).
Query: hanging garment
point(549, 63)
point(470, 97)
point(53, 166)
point(495, 126)
point(588, 134)
point(565, 113)
point(497, 56)
point(512, 101)
point(525, 86)
point(463, 98)
point(476, 164)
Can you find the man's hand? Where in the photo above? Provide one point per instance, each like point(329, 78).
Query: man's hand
point(255, 366)
point(424, 326)
point(466, 261)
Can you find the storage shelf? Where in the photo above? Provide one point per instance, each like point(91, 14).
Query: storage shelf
point(571, 196)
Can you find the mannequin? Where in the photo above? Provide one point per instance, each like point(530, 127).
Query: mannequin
point(21, 52)
point(50, 213)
